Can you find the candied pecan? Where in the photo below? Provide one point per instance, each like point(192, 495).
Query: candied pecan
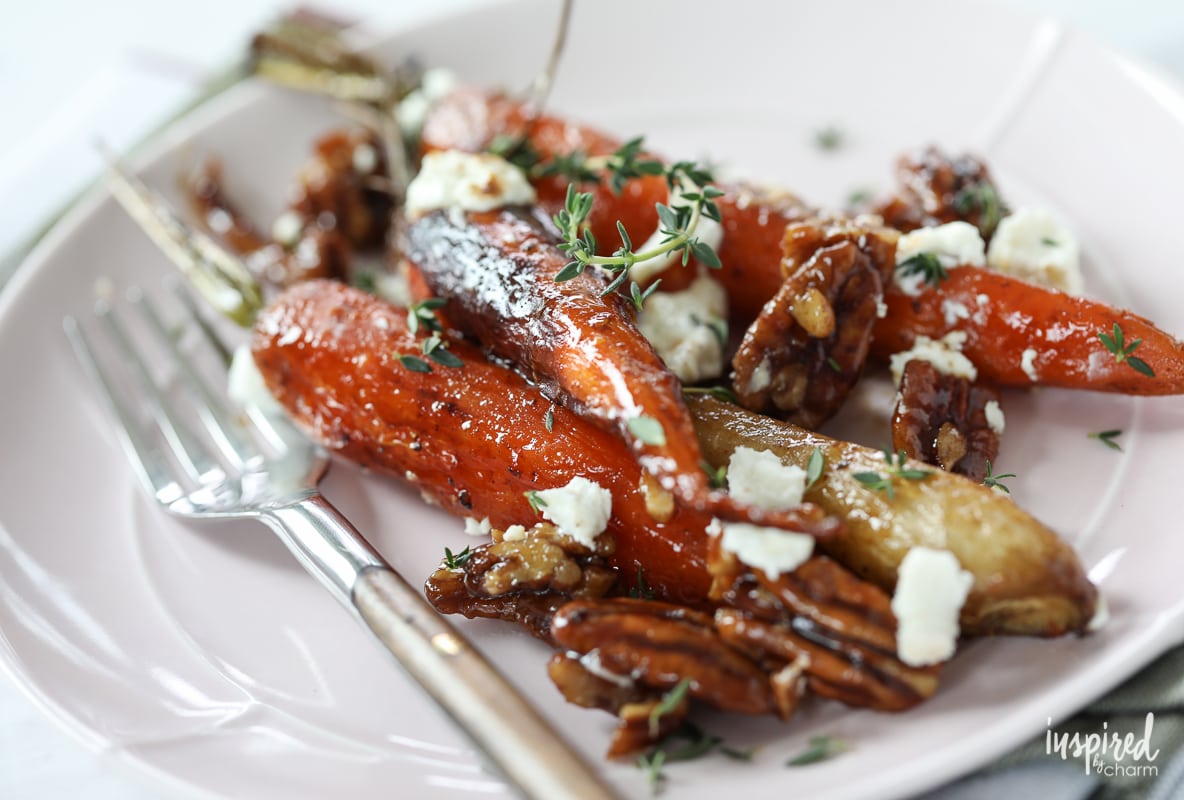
point(936, 189)
point(524, 580)
point(640, 727)
point(942, 420)
point(805, 351)
point(840, 627)
point(659, 645)
point(337, 187)
point(584, 681)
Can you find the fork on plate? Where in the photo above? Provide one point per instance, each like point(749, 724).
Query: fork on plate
point(200, 458)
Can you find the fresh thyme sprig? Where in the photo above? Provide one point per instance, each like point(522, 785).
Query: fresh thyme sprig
point(1121, 351)
point(721, 393)
point(677, 226)
point(993, 481)
point(697, 743)
point(457, 560)
point(982, 197)
point(642, 590)
point(820, 748)
point(668, 704)
point(1108, 438)
point(647, 430)
point(423, 314)
point(926, 264)
point(814, 467)
point(537, 503)
point(436, 349)
point(716, 476)
point(896, 468)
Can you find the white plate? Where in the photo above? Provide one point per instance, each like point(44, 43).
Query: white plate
point(203, 655)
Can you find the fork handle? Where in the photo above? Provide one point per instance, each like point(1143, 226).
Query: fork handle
point(530, 753)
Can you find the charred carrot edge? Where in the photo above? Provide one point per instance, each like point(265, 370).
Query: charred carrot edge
point(1021, 334)
point(490, 436)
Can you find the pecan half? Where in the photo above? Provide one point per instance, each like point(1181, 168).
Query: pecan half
point(936, 188)
point(524, 580)
point(942, 420)
point(659, 645)
point(807, 348)
point(839, 628)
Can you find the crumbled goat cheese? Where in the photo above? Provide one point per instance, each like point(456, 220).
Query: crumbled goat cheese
point(468, 181)
point(931, 587)
point(954, 244)
point(1101, 615)
point(581, 509)
point(514, 533)
point(771, 550)
point(393, 286)
point(1033, 245)
point(474, 527)
point(761, 377)
point(944, 353)
point(287, 229)
point(684, 327)
point(1028, 364)
point(364, 159)
point(953, 311)
point(995, 419)
point(758, 478)
point(246, 387)
point(413, 109)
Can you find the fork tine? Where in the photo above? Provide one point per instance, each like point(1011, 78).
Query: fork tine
point(218, 420)
point(203, 324)
point(191, 454)
point(148, 462)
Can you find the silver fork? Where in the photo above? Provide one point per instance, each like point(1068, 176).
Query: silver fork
point(220, 470)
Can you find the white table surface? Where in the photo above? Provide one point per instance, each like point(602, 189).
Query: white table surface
point(66, 61)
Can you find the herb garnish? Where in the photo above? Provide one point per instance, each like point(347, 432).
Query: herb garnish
point(647, 430)
point(820, 748)
point(1121, 351)
point(424, 313)
point(1049, 242)
point(436, 349)
point(549, 419)
point(994, 481)
point(413, 363)
point(457, 560)
point(896, 468)
point(858, 197)
point(537, 503)
point(983, 198)
point(698, 743)
point(834, 365)
point(677, 226)
point(926, 264)
point(1108, 438)
point(669, 703)
point(814, 467)
point(828, 139)
point(642, 591)
point(716, 476)
point(721, 393)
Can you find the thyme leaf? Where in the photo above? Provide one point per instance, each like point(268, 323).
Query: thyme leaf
point(457, 560)
point(1116, 344)
point(647, 430)
point(926, 264)
point(821, 748)
point(1108, 438)
point(995, 481)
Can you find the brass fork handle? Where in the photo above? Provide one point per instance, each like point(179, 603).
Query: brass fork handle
point(523, 746)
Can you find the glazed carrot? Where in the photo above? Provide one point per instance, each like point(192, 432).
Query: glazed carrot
point(498, 271)
point(1012, 323)
point(753, 219)
point(472, 438)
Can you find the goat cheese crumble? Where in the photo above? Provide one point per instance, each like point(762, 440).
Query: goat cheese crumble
point(954, 244)
point(688, 328)
point(246, 387)
point(413, 109)
point(944, 353)
point(931, 587)
point(758, 477)
point(1033, 245)
point(995, 419)
point(580, 509)
point(468, 181)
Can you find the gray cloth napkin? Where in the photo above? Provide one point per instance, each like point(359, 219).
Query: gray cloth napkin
point(1031, 771)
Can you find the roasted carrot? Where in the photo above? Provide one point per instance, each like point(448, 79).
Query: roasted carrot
point(753, 219)
point(498, 270)
point(472, 438)
point(1021, 334)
